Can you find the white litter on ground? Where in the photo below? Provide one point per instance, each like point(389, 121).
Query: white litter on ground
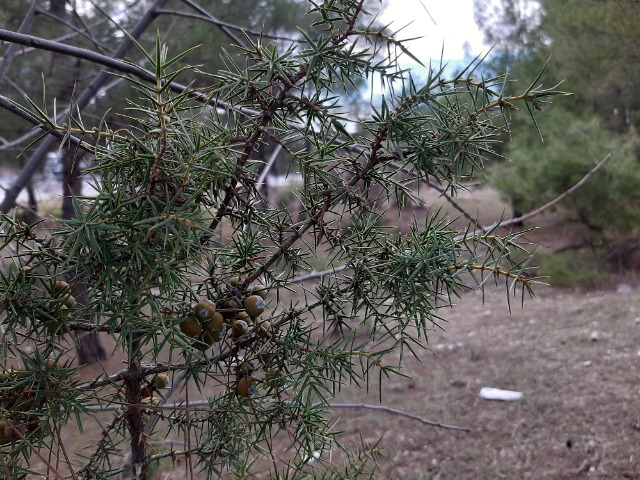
point(503, 395)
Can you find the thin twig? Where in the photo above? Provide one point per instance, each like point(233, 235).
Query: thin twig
point(5, 467)
point(24, 27)
point(382, 408)
point(82, 53)
point(220, 23)
point(159, 456)
point(195, 405)
point(317, 274)
point(546, 206)
point(263, 175)
point(559, 198)
point(6, 145)
point(105, 436)
point(442, 191)
point(267, 167)
point(85, 32)
point(9, 106)
point(93, 26)
point(225, 29)
point(17, 432)
point(64, 451)
point(481, 230)
point(111, 62)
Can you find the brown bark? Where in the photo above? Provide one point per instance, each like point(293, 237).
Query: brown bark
point(89, 348)
point(57, 7)
point(134, 416)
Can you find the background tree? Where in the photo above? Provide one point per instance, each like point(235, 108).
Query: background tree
point(576, 39)
point(583, 36)
point(539, 171)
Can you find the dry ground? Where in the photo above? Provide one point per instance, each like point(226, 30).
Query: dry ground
point(575, 355)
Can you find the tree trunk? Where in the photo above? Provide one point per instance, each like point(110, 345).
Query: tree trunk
point(89, 348)
point(57, 7)
point(71, 181)
point(32, 203)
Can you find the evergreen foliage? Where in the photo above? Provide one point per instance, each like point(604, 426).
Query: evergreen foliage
point(179, 232)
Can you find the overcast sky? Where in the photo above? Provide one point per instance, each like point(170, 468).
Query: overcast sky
point(449, 23)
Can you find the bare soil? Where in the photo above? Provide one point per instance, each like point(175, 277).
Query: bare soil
point(575, 356)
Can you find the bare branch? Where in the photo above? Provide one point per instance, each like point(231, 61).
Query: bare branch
point(442, 191)
point(58, 434)
point(267, 167)
point(173, 453)
point(382, 408)
point(17, 142)
point(481, 230)
point(197, 404)
point(220, 23)
point(91, 27)
point(82, 53)
point(11, 107)
point(24, 27)
point(318, 274)
point(38, 157)
point(559, 198)
point(84, 32)
point(60, 39)
point(546, 206)
point(36, 451)
point(6, 145)
point(112, 63)
point(226, 29)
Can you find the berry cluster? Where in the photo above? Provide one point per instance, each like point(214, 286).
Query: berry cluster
point(211, 322)
point(26, 395)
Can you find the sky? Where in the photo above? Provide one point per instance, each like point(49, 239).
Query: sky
point(449, 23)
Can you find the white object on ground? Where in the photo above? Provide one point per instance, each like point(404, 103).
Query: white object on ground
point(504, 395)
point(624, 288)
point(313, 458)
